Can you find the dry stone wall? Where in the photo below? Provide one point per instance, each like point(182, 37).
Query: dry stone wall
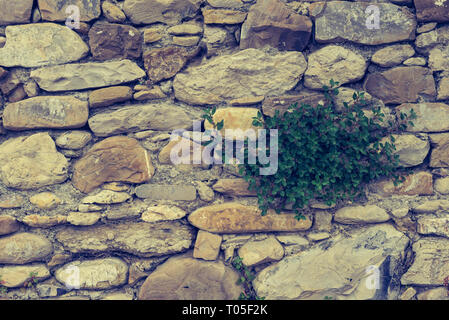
point(92, 206)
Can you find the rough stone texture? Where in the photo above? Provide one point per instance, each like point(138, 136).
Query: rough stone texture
point(338, 269)
point(34, 45)
point(139, 238)
point(338, 21)
point(45, 200)
point(257, 252)
point(232, 217)
point(31, 162)
point(109, 96)
point(17, 276)
point(431, 264)
point(8, 225)
point(415, 61)
point(207, 245)
point(439, 293)
point(166, 192)
point(185, 29)
point(93, 274)
point(114, 41)
point(63, 112)
point(420, 183)
point(234, 118)
point(443, 89)
point(233, 187)
point(426, 41)
point(411, 149)
point(186, 278)
point(249, 72)
point(431, 10)
point(162, 116)
point(107, 197)
point(38, 221)
point(281, 103)
point(439, 156)
point(162, 213)
point(393, 55)
point(271, 22)
point(431, 117)
point(79, 76)
point(22, 248)
point(55, 10)
point(186, 41)
point(165, 63)
point(83, 218)
point(432, 206)
point(223, 16)
point(361, 214)
point(117, 158)
point(442, 185)
point(74, 140)
point(438, 58)
point(167, 11)
point(112, 12)
point(433, 226)
point(151, 35)
point(333, 62)
point(18, 11)
point(183, 152)
point(401, 84)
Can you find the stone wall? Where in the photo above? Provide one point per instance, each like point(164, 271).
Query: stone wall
point(91, 206)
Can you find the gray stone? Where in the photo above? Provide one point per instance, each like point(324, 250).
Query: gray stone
point(361, 214)
point(257, 252)
point(166, 192)
point(393, 55)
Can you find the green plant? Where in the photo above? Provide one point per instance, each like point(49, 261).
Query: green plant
point(3, 289)
point(245, 279)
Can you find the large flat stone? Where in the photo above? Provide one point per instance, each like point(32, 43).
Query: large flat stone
point(41, 44)
point(18, 11)
point(53, 112)
point(56, 10)
point(22, 248)
point(166, 192)
point(361, 214)
point(138, 238)
point(79, 76)
point(250, 72)
point(8, 224)
point(18, 276)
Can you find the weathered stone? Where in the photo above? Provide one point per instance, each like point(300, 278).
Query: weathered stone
point(183, 150)
point(74, 140)
point(79, 76)
point(257, 252)
point(426, 27)
point(186, 41)
point(400, 212)
point(342, 20)
point(408, 294)
point(333, 62)
point(442, 185)
point(411, 150)
point(151, 35)
point(17, 94)
point(8, 225)
point(185, 29)
point(114, 41)
point(38, 221)
point(9, 82)
point(361, 214)
point(31, 162)
point(141, 268)
point(116, 186)
point(223, 16)
point(401, 84)
point(118, 296)
point(433, 226)
point(415, 61)
point(426, 41)
point(18, 11)
point(337, 268)
point(11, 201)
point(186, 278)
point(271, 22)
point(162, 213)
point(419, 183)
point(107, 197)
point(439, 293)
point(246, 101)
point(167, 11)
point(432, 10)
point(93, 274)
point(204, 191)
point(150, 94)
point(207, 245)
point(112, 12)
point(138, 238)
point(233, 187)
point(249, 72)
point(235, 4)
point(393, 55)
point(232, 217)
point(443, 89)
point(438, 58)
point(45, 200)
point(432, 206)
point(18, 276)
point(127, 210)
point(63, 112)
point(58, 10)
point(166, 192)
point(31, 89)
point(83, 218)
point(431, 117)
point(156, 116)
point(431, 263)
point(117, 158)
point(34, 45)
point(164, 63)
point(439, 156)
point(89, 208)
point(282, 103)
point(109, 96)
point(22, 248)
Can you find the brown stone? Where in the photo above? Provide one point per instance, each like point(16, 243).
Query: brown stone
point(109, 96)
point(432, 10)
point(112, 12)
point(45, 200)
point(401, 84)
point(38, 221)
point(8, 225)
point(150, 94)
point(22, 248)
point(151, 35)
point(223, 16)
point(271, 22)
point(207, 245)
point(17, 11)
point(46, 112)
point(164, 63)
point(439, 156)
point(420, 183)
point(185, 155)
point(233, 217)
point(282, 103)
point(55, 10)
point(233, 187)
point(111, 41)
point(17, 95)
point(117, 158)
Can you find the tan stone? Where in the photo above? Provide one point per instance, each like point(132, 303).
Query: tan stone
point(223, 16)
point(38, 221)
point(431, 117)
point(186, 41)
point(116, 186)
point(392, 55)
point(419, 183)
point(233, 187)
point(17, 94)
point(204, 191)
point(112, 12)
point(83, 218)
point(8, 225)
point(185, 29)
point(440, 152)
point(59, 259)
point(11, 202)
point(107, 197)
point(282, 103)
point(109, 96)
point(361, 214)
point(151, 35)
point(18, 276)
point(45, 200)
point(426, 27)
point(432, 206)
point(443, 89)
point(183, 152)
point(411, 150)
point(162, 213)
point(257, 252)
point(235, 118)
point(150, 94)
point(55, 10)
point(141, 268)
point(431, 10)
point(22, 248)
point(207, 245)
point(183, 192)
point(439, 293)
point(118, 158)
point(415, 61)
point(442, 185)
point(246, 101)
point(232, 217)
point(74, 140)
point(18, 11)
point(433, 226)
